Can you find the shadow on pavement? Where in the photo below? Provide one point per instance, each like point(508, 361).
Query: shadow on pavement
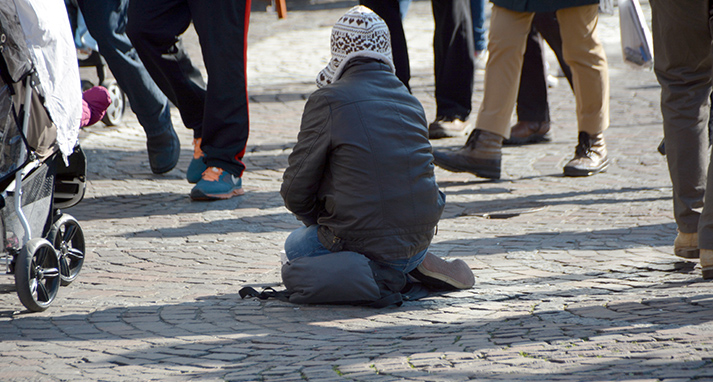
point(280, 222)
point(511, 207)
point(615, 239)
point(225, 337)
point(165, 204)
point(106, 164)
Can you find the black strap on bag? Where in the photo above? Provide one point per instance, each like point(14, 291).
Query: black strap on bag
point(412, 292)
point(266, 293)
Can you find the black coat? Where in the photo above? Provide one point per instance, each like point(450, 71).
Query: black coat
point(362, 167)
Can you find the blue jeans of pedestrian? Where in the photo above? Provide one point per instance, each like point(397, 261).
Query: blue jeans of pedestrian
point(305, 242)
point(477, 11)
point(106, 22)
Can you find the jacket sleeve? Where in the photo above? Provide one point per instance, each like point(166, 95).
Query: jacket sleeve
point(306, 163)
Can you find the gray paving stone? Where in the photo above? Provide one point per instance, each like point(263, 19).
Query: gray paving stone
point(575, 280)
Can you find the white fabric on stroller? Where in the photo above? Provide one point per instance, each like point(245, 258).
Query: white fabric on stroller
point(49, 38)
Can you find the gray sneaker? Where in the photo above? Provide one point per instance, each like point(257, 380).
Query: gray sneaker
point(438, 272)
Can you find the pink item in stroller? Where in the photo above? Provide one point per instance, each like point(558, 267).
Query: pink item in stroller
point(95, 101)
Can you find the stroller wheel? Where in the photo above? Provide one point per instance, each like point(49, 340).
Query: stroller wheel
point(68, 239)
point(115, 112)
point(37, 274)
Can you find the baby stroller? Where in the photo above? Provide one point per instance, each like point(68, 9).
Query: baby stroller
point(42, 247)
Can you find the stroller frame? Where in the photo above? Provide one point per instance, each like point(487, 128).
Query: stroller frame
point(43, 247)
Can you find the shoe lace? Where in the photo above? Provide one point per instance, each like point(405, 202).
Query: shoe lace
point(212, 174)
point(584, 147)
point(197, 152)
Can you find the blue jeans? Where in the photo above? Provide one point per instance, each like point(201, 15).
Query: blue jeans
point(403, 7)
point(106, 22)
point(477, 11)
point(305, 242)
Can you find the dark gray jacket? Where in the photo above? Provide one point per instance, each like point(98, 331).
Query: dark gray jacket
point(362, 167)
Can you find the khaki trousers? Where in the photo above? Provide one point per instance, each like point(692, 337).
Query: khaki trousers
point(582, 50)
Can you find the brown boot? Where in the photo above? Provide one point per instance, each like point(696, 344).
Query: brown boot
point(447, 128)
point(525, 132)
point(437, 272)
point(707, 263)
point(590, 156)
point(686, 245)
point(481, 155)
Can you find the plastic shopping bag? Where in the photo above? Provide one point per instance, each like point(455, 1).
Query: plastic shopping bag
point(636, 42)
point(606, 7)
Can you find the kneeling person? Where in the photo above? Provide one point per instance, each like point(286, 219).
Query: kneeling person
point(361, 174)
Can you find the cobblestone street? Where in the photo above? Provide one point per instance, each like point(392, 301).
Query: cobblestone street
point(575, 277)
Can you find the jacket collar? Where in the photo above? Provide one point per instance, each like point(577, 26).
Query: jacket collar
point(363, 63)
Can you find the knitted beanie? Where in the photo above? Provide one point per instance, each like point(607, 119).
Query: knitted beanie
point(358, 33)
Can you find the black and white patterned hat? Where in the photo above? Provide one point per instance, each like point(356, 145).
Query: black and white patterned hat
point(358, 33)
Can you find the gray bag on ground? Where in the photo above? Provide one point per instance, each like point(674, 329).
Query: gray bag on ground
point(337, 278)
point(341, 278)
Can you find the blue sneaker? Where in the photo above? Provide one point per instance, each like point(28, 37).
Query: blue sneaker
point(217, 184)
point(197, 166)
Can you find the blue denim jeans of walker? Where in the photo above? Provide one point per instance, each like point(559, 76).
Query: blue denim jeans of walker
point(106, 22)
point(305, 242)
point(477, 11)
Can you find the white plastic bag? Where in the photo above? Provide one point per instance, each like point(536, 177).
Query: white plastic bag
point(636, 44)
point(606, 7)
point(49, 38)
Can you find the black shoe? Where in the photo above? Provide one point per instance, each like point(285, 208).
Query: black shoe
point(480, 156)
point(526, 132)
point(164, 150)
point(590, 156)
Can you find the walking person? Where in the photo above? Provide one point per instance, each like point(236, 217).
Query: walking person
point(510, 22)
point(217, 112)
point(106, 22)
point(684, 72)
point(533, 109)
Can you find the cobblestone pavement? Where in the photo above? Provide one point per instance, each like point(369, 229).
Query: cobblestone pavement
point(575, 279)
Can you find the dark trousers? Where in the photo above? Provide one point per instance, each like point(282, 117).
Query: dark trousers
point(454, 58)
point(532, 103)
point(390, 11)
point(682, 40)
point(218, 111)
point(106, 22)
